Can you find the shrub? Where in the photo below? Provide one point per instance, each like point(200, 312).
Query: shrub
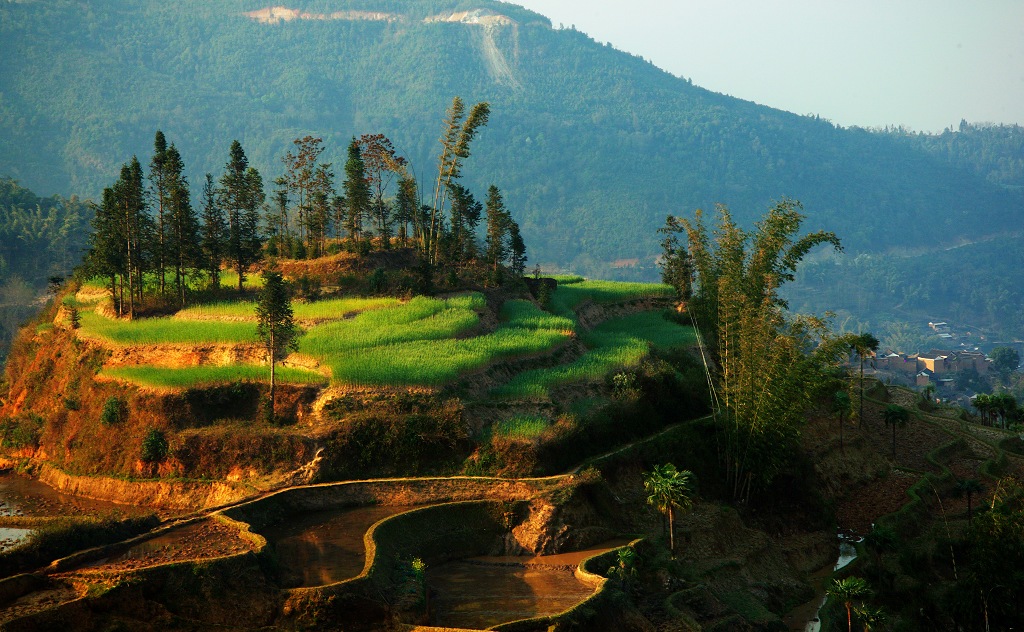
point(115, 411)
point(22, 431)
point(154, 446)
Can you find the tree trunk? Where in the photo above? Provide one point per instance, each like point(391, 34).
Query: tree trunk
point(671, 532)
point(861, 413)
point(273, 362)
point(894, 441)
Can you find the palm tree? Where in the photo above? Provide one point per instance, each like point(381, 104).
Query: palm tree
point(869, 616)
point(895, 415)
point(668, 488)
point(969, 486)
point(846, 591)
point(863, 345)
point(841, 405)
point(929, 390)
point(983, 403)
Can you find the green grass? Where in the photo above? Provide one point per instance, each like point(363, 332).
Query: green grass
point(415, 344)
point(568, 296)
point(521, 427)
point(330, 309)
point(420, 319)
point(192, 377)
point(616, 343)
point(196, 282)
point(434, 362)
point(568, 279)
point(527, 315)
point(167, 330)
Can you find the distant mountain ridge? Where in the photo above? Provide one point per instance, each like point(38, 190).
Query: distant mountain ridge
point(591, 146)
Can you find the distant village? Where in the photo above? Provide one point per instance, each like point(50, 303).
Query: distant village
point(952, 372)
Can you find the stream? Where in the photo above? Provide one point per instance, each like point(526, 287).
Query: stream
point(804, 618)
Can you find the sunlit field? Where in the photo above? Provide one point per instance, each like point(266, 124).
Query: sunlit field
point(424, 341)
point(617, 343)
point(573, 291)
point(197, 376)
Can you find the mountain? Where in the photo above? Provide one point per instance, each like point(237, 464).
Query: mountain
point(591, 146)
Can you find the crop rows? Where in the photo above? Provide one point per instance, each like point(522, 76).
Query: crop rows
point(191, 377)
point(617, 343)
point(330, 309)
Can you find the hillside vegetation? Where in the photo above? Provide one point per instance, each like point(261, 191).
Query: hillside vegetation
point(593, 146)
point(452, 366)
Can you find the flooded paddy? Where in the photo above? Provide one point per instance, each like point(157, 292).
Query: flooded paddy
point(23, 496)
point(201, 540)
point(324, 547)
point(483, 591)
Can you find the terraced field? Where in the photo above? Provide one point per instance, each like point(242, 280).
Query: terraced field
point(422, 341)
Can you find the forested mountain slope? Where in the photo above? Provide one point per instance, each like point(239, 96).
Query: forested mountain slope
point(592, 146)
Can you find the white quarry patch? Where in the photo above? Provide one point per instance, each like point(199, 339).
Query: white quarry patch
point(476, 16)
point(274, 15)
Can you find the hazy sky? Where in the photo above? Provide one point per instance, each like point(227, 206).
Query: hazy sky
point(924, 64)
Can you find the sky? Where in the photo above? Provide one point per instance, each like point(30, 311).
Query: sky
point(923, 64)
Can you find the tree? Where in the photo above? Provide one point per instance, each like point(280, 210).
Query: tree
point(406, 209)
point(848, 591)
point(841, 406)
point(517, 249)
point(456, 137)
point(128, 196)
point(465, 215)
point(498, 221)
point(241, 197)
point(154, 447)
point(382, 166)
point(863, 345)
point(676, 266)
point(182, 243)
point(158, 181)
point(1005, 360)
point(768, 368)
point(105, 256)
point(275, 326)
point(301, 168)
point(667, 489)
point(969, 486)
point(214, 233)
point(357, 192)
point(895, 415)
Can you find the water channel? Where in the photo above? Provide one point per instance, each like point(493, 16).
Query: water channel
point(23, 497)
point(805, 618)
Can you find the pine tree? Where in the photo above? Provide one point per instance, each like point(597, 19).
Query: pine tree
point(136, 228)
point(357, 192)
point(497, 228)
point(241, 197)
point(182, 243)
point(214, 234)
point(275, 324)
point(106, 255)
point(517, 249)
point(465, 216)
point(158, 179)
point(406, 208)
